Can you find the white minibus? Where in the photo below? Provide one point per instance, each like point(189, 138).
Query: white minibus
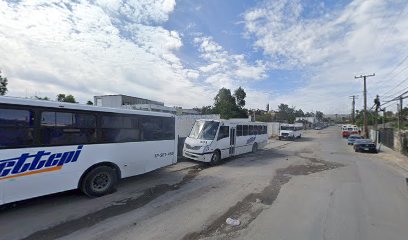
point(290, 131)
point(213, 140)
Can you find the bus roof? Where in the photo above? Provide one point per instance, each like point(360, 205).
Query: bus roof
point(232, 121)
point(75, 106)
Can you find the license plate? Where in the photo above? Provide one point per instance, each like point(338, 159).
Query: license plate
point(366, 149)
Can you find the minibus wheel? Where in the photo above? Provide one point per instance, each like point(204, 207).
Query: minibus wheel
point(99, 181)
point(216, 158)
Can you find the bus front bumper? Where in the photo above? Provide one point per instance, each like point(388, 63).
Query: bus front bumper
point(202, 157)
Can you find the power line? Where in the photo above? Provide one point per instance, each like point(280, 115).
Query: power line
point(399, 84)
point(399, 94)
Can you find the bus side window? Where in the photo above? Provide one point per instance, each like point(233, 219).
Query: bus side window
point(239, 130)
point(245, 130)
point(120, 129)
point(251, 130)
point(66, 128)
point(16, 128)
point(223, 133)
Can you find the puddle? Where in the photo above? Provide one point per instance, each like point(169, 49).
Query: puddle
point(117, 208)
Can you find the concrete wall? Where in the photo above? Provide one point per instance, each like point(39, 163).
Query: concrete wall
point(400, 140)
point(111, 101)
point(273, 129)
point(184, 123)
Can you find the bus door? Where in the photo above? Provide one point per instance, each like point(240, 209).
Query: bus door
point(232, 142)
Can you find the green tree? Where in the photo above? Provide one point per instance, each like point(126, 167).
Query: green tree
point(286, 113)
point(404, 115)
point(224, 103)
point(66, 98)
point(319, 116)
point(89, 102)
point(206, 110)
point(42, 98)
point(3, 85)
point(299, 113)
point(226, 106)
point(309, 114)
point(240, 95)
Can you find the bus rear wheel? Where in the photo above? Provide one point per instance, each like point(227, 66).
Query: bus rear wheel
point(99, 181)
point(215, 159)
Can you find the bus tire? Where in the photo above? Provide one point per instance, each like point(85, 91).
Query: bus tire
point(99, 181)
point(216, 158)
point(255, 147)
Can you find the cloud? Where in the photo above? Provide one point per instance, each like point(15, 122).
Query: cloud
point(231, 68)
point(88, 48)
point(80, 48)
point(331, 46)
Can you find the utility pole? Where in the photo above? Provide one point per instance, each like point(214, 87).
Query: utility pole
point(364, 77)
point(353, 118)
point(400, 115)
point(377, 106)
point(384, 110)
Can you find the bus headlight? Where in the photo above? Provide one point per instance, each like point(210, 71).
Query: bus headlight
point(206, 149)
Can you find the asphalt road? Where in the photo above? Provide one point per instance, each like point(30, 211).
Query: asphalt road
point(313, 188)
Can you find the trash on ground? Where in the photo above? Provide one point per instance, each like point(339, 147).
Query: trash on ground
point(258, 200)
point(233, 222)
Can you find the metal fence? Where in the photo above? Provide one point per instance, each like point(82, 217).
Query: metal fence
point(386, 137)
point(404, 143)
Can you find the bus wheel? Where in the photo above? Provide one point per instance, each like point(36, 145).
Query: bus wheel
point(254, 147)
point(99, 181)
point(215, 159)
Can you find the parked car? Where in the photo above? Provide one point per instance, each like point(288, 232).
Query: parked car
point(352, 138)
point(365, 145)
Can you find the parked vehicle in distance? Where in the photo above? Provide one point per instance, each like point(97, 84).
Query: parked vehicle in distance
point(290, 131)
point(362, 140)
point(352, 138)
point(347, 130)
point(318, 128)
point(213, 140)
point(365, 145)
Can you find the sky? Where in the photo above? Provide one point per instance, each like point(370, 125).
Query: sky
point(301, 53)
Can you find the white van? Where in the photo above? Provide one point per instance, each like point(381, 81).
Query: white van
point(290, 131)
point(213, 140)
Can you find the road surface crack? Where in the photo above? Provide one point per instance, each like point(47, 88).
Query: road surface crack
point(249, 208)
point(117, 208)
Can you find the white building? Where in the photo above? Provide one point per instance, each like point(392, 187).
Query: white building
point(312, 121)
point(136, 103)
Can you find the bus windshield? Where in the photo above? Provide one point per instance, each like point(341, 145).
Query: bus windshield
point(205, 130)
point(287, 128)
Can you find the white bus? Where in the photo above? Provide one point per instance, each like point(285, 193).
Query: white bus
point(290, 131)
point(48, 147)
point(212, 140)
